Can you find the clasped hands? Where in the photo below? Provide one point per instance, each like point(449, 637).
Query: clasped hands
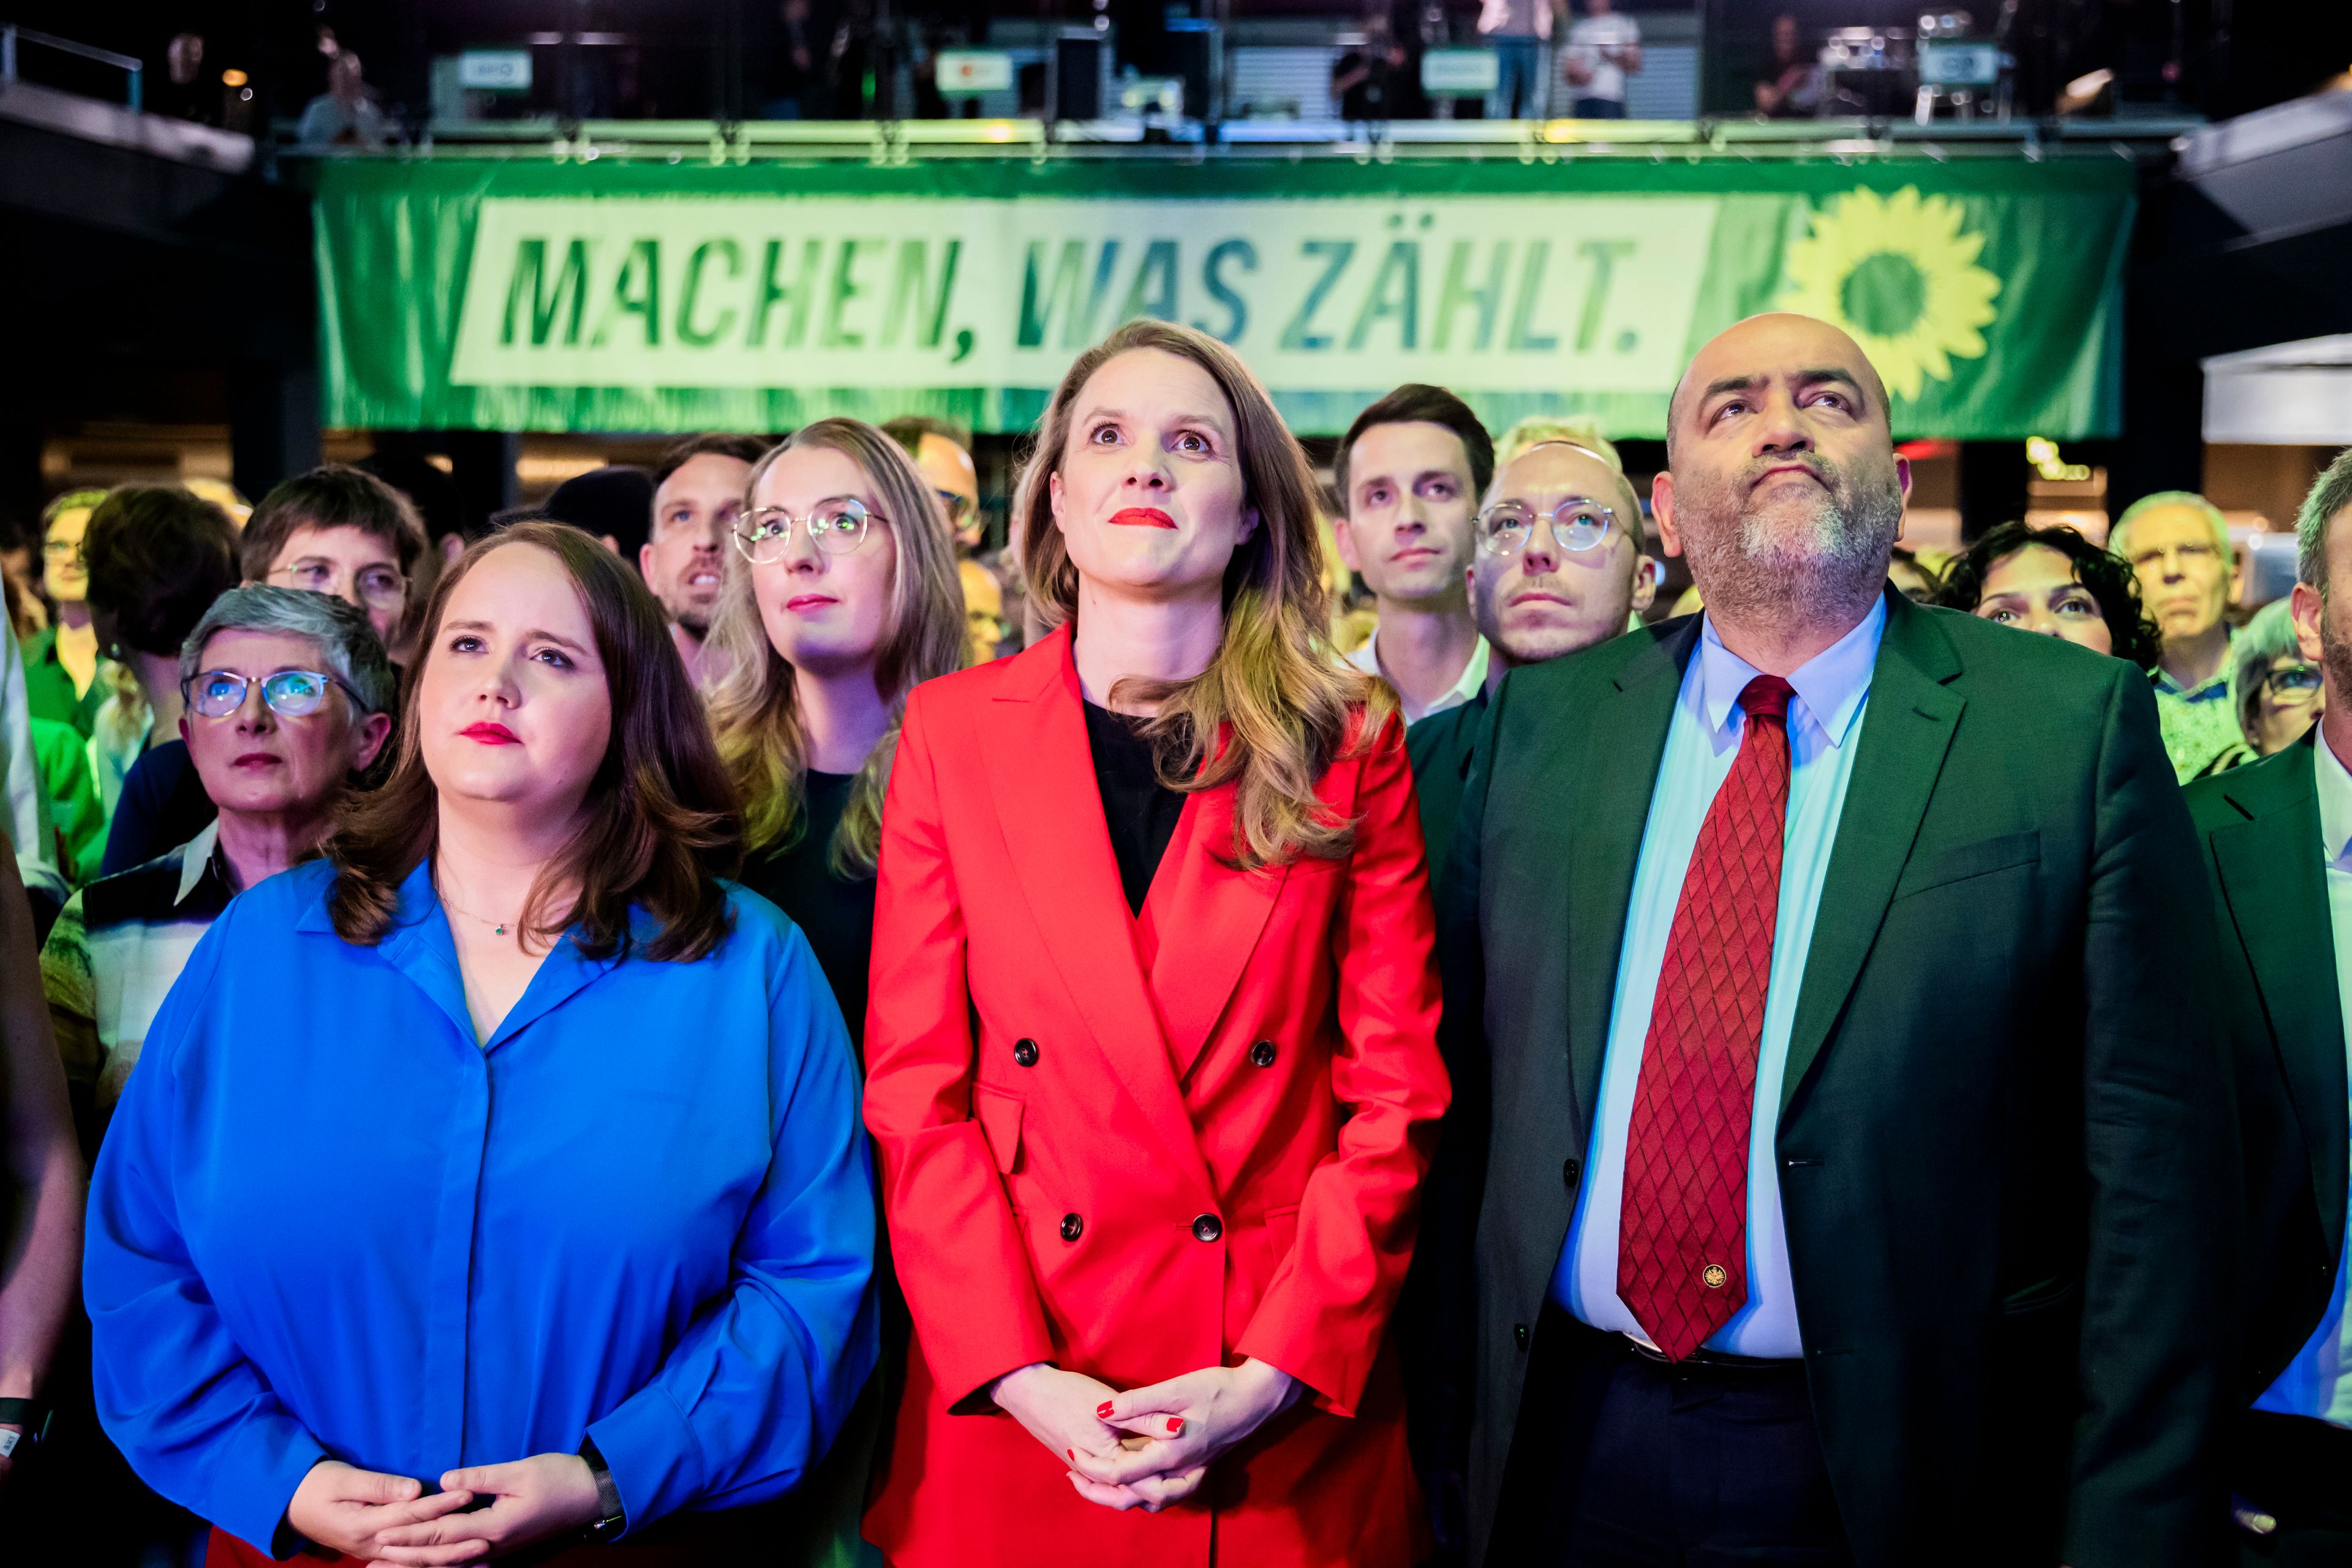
point(1149, 1446)
point(385, 1518)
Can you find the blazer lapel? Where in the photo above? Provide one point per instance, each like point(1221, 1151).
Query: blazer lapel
point(1210, 917)
point(2276, 892)
point(1905, 735)
point(1621, 743)
point(1042, 773)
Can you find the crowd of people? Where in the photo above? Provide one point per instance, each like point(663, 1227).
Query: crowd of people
point(722, 1020)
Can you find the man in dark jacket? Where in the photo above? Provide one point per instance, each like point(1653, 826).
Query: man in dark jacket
point(1860, 1183)
point(2277, 841)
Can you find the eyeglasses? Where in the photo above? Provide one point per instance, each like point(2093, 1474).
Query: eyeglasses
point(959, 505)
point(290, 693)
point(2290, 683)
point(379, 587)
point(1577, 524)
point(836, 527)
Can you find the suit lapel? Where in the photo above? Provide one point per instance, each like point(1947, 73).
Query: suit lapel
point(1211, 917)
point(2275, 888)
point(1906, 732)
point(1617, 763)
point(1041, 772)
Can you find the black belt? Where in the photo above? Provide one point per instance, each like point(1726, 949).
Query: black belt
point(1717, 1363)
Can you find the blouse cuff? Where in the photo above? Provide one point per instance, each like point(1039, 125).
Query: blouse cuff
point(652, 1455)
point(260, 1483)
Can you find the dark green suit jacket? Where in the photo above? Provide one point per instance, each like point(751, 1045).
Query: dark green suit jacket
point(1439, 748)
point(2009, 1170)
point(2260, 824)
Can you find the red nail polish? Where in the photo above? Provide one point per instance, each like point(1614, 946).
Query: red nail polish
point(1175, 1425)
point(1073, 1453)
point(1103, 1410)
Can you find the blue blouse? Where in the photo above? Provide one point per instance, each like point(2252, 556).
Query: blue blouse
point(327, 1221)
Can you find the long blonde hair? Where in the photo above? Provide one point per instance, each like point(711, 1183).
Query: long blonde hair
point(1275, 708)
point(754, 711)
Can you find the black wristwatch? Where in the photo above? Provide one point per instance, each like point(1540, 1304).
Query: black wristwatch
point(28, 1414)
point(610, 1520)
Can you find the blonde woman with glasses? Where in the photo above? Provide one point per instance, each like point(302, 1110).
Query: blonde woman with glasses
point(840, 598)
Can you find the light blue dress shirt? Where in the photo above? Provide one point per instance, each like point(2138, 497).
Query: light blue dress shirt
point(2318, 1382)
point(327, 1221)
point(1824, 722)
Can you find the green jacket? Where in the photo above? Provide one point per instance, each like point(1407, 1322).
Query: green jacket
point(2009, 1170)
point(1439, 748)
point(2259, 831)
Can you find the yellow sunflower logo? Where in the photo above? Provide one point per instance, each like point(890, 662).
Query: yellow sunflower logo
point(1897, 273)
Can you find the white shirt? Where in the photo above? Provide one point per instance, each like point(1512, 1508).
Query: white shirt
point(1515, 19)
point(1474, 677)
point(1833, 690)
point(1587, 37)
point(2318, 1382)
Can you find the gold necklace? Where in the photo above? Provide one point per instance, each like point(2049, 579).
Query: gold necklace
point(497, 927)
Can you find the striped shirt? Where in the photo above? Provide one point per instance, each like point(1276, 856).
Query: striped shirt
point(115, 950)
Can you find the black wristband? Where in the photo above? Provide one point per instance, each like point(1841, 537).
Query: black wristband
point(29, 1417)
point(609, 1519)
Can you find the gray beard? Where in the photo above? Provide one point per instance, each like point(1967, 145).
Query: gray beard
point(1838, 561)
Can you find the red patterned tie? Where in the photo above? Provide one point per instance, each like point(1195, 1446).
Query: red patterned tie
point(1682, 1245)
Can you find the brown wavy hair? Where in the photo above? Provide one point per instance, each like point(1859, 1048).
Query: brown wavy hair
point(662, 824)
point(1275, 708)
point(754, 710)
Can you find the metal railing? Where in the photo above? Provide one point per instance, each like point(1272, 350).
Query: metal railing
point(1529, 141)
point(12, 37)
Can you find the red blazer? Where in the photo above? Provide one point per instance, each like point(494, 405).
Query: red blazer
point(1136, 1148)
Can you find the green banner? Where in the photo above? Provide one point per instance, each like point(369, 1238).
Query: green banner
point(537, 296)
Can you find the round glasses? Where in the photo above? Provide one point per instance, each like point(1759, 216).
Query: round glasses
point(956, 505)
point(2291, 683)
point(290, 693)
point(1577, 524)
point(836, 527)
point(378, 587)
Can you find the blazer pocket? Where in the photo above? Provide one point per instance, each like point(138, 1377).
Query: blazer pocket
point(1981, 859)
point(999, 1115)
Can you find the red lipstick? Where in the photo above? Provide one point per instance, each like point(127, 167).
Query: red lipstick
point(491, 734)
point(1141, 517)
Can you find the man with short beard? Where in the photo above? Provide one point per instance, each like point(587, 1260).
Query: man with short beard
point(697, 494)
point(1558, 566)
point(2278, 847)
point(1825, 984)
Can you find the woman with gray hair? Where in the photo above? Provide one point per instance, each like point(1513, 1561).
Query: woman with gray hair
point(288, 697)
point(2279, 692)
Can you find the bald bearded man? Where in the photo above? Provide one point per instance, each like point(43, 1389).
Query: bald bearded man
point(1825, 982)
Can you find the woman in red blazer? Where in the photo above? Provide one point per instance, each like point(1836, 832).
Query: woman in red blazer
point(1151, 1052)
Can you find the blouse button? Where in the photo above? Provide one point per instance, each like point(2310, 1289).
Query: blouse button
point(1262, 1053)
point(1025, 1052)
point(1072, 1227)
point(1207, 1227)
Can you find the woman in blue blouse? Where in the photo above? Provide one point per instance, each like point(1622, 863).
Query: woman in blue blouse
point(499, 1179)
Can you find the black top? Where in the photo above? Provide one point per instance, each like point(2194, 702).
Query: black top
point(1139, 811)
point(837, 913)
point(164, 805)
